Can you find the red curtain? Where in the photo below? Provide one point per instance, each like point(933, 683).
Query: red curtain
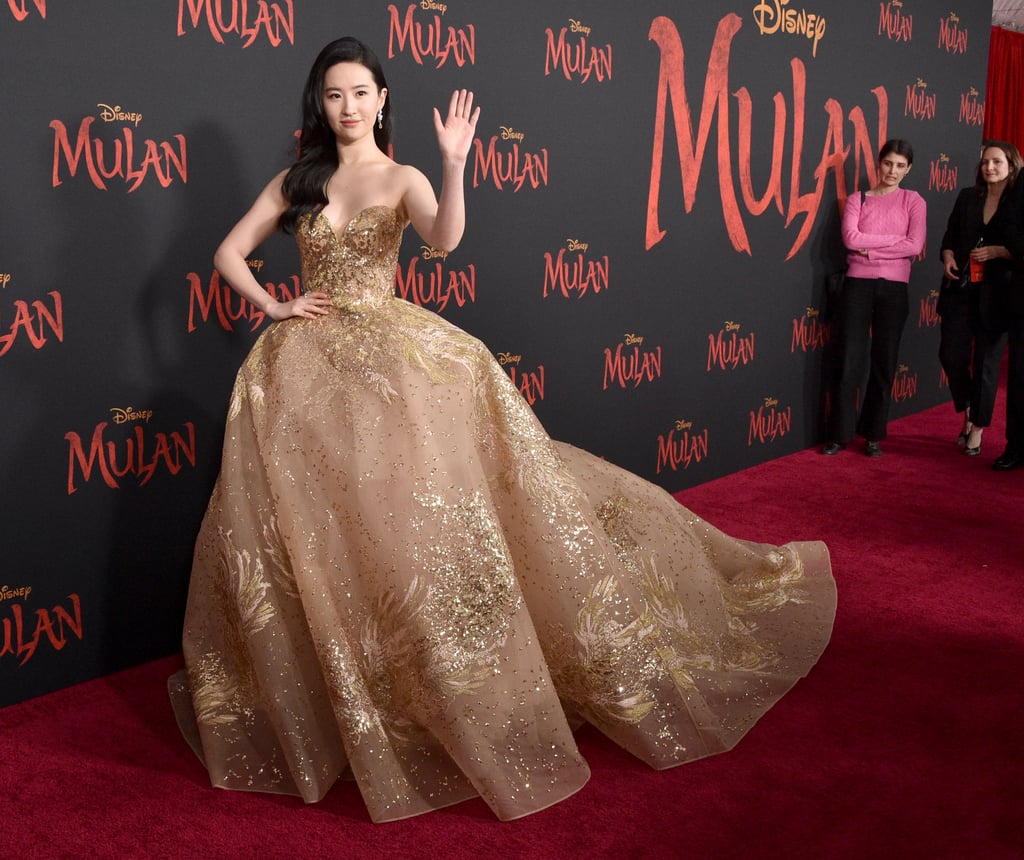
point(1004, 98)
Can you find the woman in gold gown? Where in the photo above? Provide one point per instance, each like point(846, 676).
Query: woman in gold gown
point(400, 574)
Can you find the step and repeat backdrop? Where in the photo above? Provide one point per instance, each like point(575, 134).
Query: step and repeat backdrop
point(654, 197)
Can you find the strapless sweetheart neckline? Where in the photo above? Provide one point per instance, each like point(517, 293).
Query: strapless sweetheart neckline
point(344, 230)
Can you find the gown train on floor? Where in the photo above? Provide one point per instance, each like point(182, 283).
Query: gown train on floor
point(401, 575)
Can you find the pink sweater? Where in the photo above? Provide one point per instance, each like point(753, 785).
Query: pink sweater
point(890, 228)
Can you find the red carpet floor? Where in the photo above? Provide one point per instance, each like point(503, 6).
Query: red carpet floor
point(905, 741)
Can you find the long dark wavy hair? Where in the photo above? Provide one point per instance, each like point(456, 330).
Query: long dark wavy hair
point(305, 183)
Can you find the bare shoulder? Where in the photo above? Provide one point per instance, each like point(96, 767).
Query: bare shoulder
point(414, 192)
point(408, 177)
point(274, 190)
point(396, 180)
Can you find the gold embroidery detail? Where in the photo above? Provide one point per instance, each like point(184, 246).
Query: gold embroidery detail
point(242, 590)
point(610, 666)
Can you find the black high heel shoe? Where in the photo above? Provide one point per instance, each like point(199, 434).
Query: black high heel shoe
point(961, 440)
point(976, 449)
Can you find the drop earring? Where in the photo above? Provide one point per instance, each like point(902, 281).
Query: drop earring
point(380, 118)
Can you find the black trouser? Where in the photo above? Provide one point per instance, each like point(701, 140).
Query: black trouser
point(970, 356)
point(872, 314)
point(1015, 387)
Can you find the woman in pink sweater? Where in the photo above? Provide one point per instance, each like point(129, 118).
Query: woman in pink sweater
point(883, 230)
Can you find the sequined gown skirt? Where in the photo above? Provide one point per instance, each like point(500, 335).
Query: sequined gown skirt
point(401, 576)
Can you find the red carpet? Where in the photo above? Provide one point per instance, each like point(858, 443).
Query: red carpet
point(904, 742)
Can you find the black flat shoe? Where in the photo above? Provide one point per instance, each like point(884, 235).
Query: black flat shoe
point(872, 449)
point(832, 448)
point(1006, 461)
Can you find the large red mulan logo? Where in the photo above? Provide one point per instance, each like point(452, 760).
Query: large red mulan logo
point(952, 37)
point(223, 304)
point(529, 382)
point(30, 320)
point(972, 111)
point(630, 363)
point(430, 39)
point(941, 175)
point(514, 168)
point(920, 104)
point(728, 349)
point(578, 60)
point(139, 454)
point(240, 18)
point(928, 314)
point(894, 23)
point(20, 10)
point(571, 274)
point(681, 447)
point(810, 333)
point(125, 158)
point(51, 625)
point(904, 384)
point(769, 422)
point(717, 93)
point(432, 286)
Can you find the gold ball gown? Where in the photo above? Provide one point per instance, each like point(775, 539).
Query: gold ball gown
point(401, 575)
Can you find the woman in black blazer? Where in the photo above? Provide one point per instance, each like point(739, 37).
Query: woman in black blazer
point(1013, 304)
point(977, 269)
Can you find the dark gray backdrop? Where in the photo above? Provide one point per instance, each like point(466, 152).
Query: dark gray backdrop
point(106, 359)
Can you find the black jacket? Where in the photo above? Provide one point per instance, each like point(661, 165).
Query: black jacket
point(994, 299)
point(965, 229)
point(1014, 300)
